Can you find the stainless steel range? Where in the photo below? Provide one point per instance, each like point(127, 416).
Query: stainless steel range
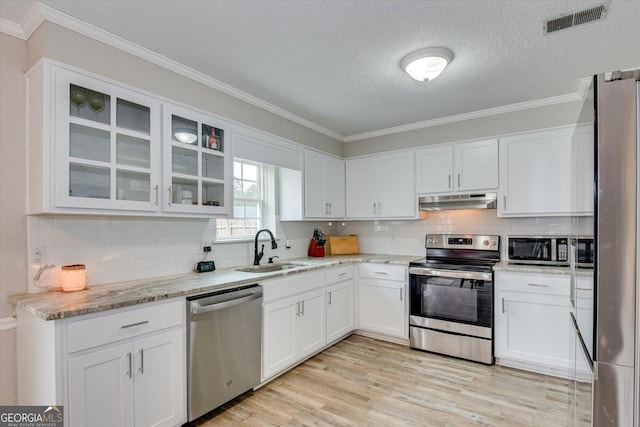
point(451, 296)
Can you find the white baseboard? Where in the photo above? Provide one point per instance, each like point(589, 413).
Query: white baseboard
point(7, 323)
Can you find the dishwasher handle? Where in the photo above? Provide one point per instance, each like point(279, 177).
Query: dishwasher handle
point(195, 310)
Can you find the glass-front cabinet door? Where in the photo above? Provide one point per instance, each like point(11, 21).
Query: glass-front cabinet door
point(107, 145)
point(196, 162)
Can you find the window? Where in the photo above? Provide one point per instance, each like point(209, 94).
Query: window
point(251, 201)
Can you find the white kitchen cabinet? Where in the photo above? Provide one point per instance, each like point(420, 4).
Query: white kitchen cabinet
point(124, 367)
point(293, 320)
point(381, 186)
point(197, 166)
point(538, 176)
point(133, 384)
point(340, 303)
point(323, 186)
point(532, 326)
point(466, 166)
point(92, 145)
point(583, 170)
point(382, 300)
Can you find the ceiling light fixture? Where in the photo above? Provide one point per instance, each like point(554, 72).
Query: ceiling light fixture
point(426, 64)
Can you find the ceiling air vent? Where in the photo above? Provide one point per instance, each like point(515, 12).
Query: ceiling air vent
point(572, 19)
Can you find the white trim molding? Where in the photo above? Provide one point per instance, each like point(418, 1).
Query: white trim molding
point(570, 97)
point(7, 323)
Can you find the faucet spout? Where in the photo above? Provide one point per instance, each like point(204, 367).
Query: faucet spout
point(257, 256)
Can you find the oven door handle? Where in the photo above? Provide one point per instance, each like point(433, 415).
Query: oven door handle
point(456, 274)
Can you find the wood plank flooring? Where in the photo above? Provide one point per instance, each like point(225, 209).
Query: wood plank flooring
point(365, 382)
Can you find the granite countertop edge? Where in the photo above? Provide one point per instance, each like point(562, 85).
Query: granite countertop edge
point(56, 305)
point(539, 269)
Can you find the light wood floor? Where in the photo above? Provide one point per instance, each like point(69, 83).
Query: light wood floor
point(362, 381)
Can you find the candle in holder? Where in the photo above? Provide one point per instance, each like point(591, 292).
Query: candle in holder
point(74, 277)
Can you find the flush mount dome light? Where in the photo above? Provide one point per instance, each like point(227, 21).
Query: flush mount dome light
point(426, 64)
point(185, 137)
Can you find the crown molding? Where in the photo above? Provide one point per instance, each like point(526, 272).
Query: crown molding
point(466, 116)
point(40, 12)
point(11, 28)
point(7, 323)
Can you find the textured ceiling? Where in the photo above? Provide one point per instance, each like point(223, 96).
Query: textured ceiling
point(336, 63)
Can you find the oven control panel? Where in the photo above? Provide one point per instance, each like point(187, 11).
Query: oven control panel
point(462, 241)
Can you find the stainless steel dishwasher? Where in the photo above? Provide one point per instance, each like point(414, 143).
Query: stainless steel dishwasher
point(224, 347)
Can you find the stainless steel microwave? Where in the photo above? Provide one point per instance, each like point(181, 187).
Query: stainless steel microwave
point(538, 250)
point(585, 252)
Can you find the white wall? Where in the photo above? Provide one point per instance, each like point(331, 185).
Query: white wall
point(13, 223)
point(407, 237)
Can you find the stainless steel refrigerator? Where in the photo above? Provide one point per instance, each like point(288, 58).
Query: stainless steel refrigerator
point(605, 311)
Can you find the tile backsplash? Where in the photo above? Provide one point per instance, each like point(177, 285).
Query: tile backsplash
point(407, 237)
point(116, 249)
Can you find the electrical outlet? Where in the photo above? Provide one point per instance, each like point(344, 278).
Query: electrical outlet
point(206, 248)
point(38, 255)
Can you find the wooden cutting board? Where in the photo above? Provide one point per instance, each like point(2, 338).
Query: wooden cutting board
point(342, 245)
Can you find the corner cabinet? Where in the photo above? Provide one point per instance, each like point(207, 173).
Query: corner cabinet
point(381, 186)
point(96, 147)
point(323, 186)
point(125, 367)
point(196, 164)
point(465, 166)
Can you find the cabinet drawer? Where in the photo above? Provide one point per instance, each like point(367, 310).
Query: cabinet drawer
point(553, 284)
point(339, 274)
point(384, 271)
point(108, 328)
point(291, 285)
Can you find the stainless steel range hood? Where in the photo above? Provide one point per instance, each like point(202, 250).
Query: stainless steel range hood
point(458, 201)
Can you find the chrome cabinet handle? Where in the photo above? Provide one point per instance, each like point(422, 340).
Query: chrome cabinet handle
point(503, 309)
point(538, 286)
point(401, 291)
point(155, 189)
point(329, 297)
point(330, 208)
point(458, 180)
point(298, 308)
point(379, 208)
point(131, 325)
point(504, 199)
point(303, 307)
point(130, 365)
point(382, 273)
point(170, 196)
point(142, 361)
point(342, 274)
point(374, 208)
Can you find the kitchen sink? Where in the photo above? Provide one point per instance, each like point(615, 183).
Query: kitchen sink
point(267, 268)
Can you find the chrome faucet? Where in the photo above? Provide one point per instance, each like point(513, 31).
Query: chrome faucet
point(258, 256)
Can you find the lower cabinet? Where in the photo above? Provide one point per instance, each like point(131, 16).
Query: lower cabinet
point(532, 324)
point(382, 301)
point(293, 321)
point(125, 367)
point(135, 384)
point(339, 303)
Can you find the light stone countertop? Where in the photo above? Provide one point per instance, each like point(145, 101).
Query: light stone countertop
point(539, 269)
point(52, 305)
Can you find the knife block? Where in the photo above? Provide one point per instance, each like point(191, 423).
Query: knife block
point(315, 250)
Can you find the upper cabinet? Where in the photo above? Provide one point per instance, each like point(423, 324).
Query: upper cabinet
point(538, 173)
point(97, 147)
point(323, 186)
point(466, 166)
point(196, 164)
point(381, 186)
